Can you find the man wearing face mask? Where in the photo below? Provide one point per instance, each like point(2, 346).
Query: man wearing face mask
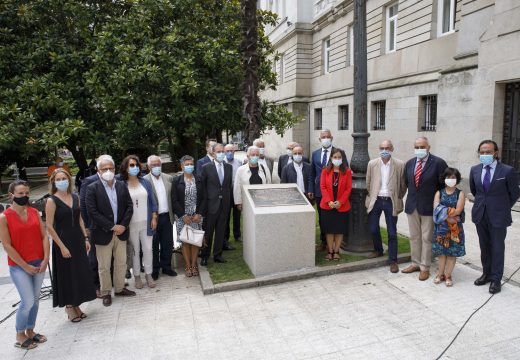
point(386, 188)
point(162, 246)
point(287, 158)
point(299, 172)
point(264, 159)
point(210, 156)
point(422, 175)
point(495, 187)
point(110, 210)
point(235, 163)
point(319, 160)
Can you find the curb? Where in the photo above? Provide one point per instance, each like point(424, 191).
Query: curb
point(209, 288)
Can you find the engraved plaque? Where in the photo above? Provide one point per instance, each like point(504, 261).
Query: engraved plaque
point(277, 197)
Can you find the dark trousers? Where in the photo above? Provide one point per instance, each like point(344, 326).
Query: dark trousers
point(322, 234)
point(384, 205)
point(492, 247)
point(215, 224)
point(162, 245)
point(236, 224)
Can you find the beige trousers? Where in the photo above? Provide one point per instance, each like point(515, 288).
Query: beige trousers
point(421, 233)
point(104, 253)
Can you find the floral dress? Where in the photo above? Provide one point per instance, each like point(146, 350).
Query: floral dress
point(443, 242)
point(190, 205)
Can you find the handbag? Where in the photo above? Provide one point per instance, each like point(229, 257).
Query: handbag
point(191, 236)
point(176, 243)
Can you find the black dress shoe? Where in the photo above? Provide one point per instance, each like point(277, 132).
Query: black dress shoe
point(219, 259)
point(204, 261)
point(155, 275)
point(128, 275)
point(228, 247)
point(169, 272)
point(125, 292)
point(495, 287)
point(107, 300)
point(238, 239)
point(483, 280)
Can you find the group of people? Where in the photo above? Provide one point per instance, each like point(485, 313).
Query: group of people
point(125, 222)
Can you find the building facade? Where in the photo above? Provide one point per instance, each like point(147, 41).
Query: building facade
point(445, 69)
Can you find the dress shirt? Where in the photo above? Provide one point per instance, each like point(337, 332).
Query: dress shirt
point(160, 190)
point(299, 176)
point(112, 196)
point(492, 168)
point(385, 176)
point(289, 160)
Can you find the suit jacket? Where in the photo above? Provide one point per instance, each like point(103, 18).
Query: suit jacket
point(316, 169)
point(282, 161)
point(200, 163)
point(214, 194)
point(502, 194)
point(167, 181)
point(178, 195)
point(289, 176)
point(83, 196)
point(101, 214)
point(421, 198)
point(396, 184)
point(344, 188)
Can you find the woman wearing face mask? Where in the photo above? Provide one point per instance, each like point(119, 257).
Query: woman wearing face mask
point(72, 282)
point(186, 201)
point(27, 246)
point(144, 219)
point(251, 173)
point(448, 232)
point(335, 185)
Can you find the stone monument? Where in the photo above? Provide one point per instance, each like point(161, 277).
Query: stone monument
point(278, 228)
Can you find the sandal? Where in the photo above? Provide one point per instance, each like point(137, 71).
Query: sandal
point(449, 281)
point(195, 271)
point(39, 338)
point(187, 271)
point(81, 313)
point(439, 278)
point(28, 344)
point(336, 256)
point(69, 310)
point(328, 257)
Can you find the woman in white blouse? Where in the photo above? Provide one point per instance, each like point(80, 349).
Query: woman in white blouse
point(251, 173)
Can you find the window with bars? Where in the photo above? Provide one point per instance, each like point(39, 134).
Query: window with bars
point(428, 113)
point(318, 120)
point(343, 117)
point(379, 115)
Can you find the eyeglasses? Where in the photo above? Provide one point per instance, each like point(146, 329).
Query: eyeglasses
point(107, 169)
point(132, 165)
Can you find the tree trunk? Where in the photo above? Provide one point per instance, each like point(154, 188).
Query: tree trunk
point(78, 154)
point(251, 63)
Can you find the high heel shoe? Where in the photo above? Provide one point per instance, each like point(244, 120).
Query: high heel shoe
point(187, 272)
point(195, 271)
point(336, 256)
point(72, 314)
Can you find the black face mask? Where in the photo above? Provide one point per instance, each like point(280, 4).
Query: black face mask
point(22, 201)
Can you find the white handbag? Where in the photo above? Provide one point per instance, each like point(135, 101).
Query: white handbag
point(176, 243)
point(191, 236)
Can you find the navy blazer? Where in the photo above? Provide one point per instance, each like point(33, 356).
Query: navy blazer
point(502, 194)
point(101, 214)
point(83, 195)
point(200, 163)
point(282, 161)
point(421, 198)
point(289, 176)
point(179, 193)
point(316, 169)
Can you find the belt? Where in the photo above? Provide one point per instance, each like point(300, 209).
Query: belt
point(385, 198)
point(164, 213)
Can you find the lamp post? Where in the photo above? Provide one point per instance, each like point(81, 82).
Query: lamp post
point(359, 238)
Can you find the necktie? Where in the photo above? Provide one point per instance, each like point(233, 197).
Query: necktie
point(324, 158)
point(487, 178)
point(220, 173)
point(418, 172)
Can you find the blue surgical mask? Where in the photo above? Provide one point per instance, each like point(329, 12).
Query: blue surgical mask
point(289, 152)
point(62, 185)
point(337, 162)
point(421, 153)
point(230, 155)
point(298, 158)
point(385, 153)
point(220, 156)
point(326, 142)
point(253, 160)
point(156, 171)
point(487, 159)
point(134, 171)
point(188, 169)
point(262, 151)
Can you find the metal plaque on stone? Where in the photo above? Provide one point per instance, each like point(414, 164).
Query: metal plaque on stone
point(289, 196)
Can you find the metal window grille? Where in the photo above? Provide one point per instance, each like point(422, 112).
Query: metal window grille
point(380, 115)
point(430, 113)
point(343, 117)
point(318, 121)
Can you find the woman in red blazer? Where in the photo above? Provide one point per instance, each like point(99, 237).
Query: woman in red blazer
point(335, 184)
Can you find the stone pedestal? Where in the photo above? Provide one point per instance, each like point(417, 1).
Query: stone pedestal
point(277, 236)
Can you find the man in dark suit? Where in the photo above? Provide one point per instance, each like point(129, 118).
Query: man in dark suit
point(319, 160)
point(422, 179)
point(299, 172)
point(495, 187)
point(206, 159)
point(216, 183)
point(110, 210)
point(288, 157)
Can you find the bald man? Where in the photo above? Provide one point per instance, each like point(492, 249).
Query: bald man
point(287, 158)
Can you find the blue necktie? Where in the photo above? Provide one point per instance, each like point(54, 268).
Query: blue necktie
point(324, 159)
point(220, 173)
point(487, 178)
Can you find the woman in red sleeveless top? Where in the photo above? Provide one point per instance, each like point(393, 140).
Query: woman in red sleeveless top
point(27, 246)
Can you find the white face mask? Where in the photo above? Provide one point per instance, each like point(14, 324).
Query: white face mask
point(107, 175)
point(262, 151)
point(450, 182)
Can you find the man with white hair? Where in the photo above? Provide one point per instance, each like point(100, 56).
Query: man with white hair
point(231, 160)
point(264, 160)
point(251, 173)
point(162, 245)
